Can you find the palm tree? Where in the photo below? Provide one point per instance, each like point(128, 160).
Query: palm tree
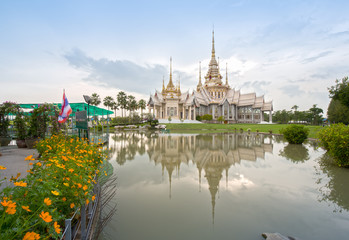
point(295, 107)
point(95, 99)
point(114, 107)
point(142, 105)
point(122, 101)
point(108, 102)
point(131, 103)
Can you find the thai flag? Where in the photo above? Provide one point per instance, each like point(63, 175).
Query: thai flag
point(65, 111)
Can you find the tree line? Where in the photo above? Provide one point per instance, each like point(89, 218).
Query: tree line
point(122, 101)
point(337, 111)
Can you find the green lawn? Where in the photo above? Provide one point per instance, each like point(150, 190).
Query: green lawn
point(208, 127)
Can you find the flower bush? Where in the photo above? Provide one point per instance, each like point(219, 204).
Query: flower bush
point(335, 139)
point(59, 183)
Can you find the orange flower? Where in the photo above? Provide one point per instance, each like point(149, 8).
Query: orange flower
point(20, 184)
point(39, 164)
point(2, 168)
point(71, 170)
point(93, 197)
point(47, 201)
point(85, 187)
point(31, 236)
point(11, 210)
point(87, 201)
point(26, 208)
point(64, 199)
point(55, 193)
point(46, 216)
point(30, 157)
point(79, 185)
point(72, 205)
point(57, 227)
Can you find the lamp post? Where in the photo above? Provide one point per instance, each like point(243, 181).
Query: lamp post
point(88, 101)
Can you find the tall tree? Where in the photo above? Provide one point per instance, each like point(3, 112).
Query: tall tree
point(95, 99)
point(295, 113)
point(131, 103)
point(108, 102)
point(340, 91)
point(337, 112)
point(122, 101)
point(316, 114)
point(142, 105)
point(114, 107)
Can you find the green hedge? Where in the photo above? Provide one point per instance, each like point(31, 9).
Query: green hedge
point(295, 134)
point(335, 139)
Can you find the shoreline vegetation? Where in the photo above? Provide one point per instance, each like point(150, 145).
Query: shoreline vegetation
point(254, 128)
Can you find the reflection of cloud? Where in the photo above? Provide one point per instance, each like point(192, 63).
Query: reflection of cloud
point(121, 74)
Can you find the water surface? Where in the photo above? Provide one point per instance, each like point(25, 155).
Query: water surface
point(224, 186)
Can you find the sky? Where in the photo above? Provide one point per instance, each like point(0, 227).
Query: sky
point(289, 51)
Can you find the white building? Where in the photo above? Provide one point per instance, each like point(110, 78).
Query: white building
point(210, 97)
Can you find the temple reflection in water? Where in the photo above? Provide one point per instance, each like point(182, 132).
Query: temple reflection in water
point(212, 154)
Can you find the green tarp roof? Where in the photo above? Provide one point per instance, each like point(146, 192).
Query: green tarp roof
point(93, 110)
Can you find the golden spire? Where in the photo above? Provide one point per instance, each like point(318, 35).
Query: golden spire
point(213, 51)
point(200, 84)
point(170, 85)
point(163, 83)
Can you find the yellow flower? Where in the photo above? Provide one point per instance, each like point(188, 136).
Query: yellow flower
point(55, 193)
point(57, 227)
point(66, 184)
point(20, 184)
point(71, 170)
point(47, 201)
point(72, 205)
point(46, 216)
point(2, 168)
point(26, 208)
point(31, 236)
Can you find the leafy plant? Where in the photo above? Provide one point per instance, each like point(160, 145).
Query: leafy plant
point(335, 139)
point(20, 126)
point(295, 134)
point(207, 117)
point(5, 109)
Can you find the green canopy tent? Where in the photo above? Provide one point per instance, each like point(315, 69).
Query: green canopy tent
point(93, 110)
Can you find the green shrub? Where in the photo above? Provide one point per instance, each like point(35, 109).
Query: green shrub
point(335, 139)
point(295, 134)
point(198, 118)
point(207, 117)
point(220, 118)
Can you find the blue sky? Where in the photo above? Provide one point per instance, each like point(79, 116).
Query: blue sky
point(290, 51)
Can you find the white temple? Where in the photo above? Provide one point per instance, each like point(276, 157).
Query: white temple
point(210, 97)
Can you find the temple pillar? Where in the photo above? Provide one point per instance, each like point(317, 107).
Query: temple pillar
point(213, 111)
point(222, 114)
point(228, 111)
point(270, 117)
point(252, 115)
point(190, 112)
point(161, 113)
point(194, 113)
point(154, 110)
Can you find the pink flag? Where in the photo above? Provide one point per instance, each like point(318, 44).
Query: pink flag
point(65, 111)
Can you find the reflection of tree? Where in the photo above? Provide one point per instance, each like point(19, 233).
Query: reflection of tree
point(295, 152)
point(336, 189)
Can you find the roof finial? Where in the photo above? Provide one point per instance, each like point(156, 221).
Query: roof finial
point(163, 83)
point(170, 83)
point(213, 51)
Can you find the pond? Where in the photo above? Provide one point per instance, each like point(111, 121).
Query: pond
point(224, 186)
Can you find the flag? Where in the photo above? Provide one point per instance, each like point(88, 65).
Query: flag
point(65, 111)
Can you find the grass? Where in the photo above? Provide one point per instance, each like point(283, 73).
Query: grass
point(209, 128)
